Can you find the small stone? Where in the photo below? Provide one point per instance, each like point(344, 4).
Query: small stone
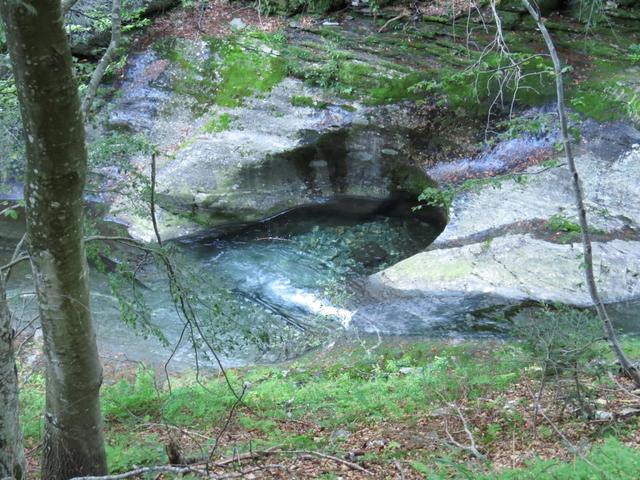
point(237, 24)
point(629, 412)
point(389, 151)
point(340, 434)
point(603, 415)
point(410, 370)
point(380, 442)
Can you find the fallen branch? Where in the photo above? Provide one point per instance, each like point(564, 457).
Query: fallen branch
point(144, 470)
point(246, 456)
point(394, 19)
point(351, 465)
point(472, 447)
point(622, 387)
point(181, 471)
point(399, 467)
point(276, 451)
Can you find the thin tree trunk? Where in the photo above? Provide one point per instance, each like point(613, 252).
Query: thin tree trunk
point(106, 59)
point(73, 442)
point(11, 450)
point(609, 331)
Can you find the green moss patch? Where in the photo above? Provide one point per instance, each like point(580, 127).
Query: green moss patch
point(236, 67)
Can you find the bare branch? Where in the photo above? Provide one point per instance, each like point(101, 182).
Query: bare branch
point(13, 263)
point(140, 471)
point(472, 446)
point(607, 326)
point(98, 73)
point(14, 257)
point(153, 199)
point(8, 209)
point(351, 465)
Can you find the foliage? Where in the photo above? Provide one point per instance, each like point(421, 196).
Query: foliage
point(11, 144)
point(132, 18)
point(31, 408)
point(353, 388)
point(125, 452)
point(518, 126)
point(612, 459)
point(291, 7)
point(565, 342)
point(568, 229)
point(634, 52)
point(487, 82)
point(560, 223)
point(305, 101)
point(437, 197)
point(139, 399)
point(115, 149)
point(218, 124)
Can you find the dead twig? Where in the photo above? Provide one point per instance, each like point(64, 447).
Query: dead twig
point(351, 465)
point(472, 446)
point(141, 471)
point(399, 467)
point(622, 387)
point(402, 15)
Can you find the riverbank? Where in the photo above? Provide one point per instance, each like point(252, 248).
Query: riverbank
point(399, 409)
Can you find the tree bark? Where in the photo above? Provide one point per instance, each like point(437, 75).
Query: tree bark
point(609, 332)
point(73, 443)
point(11, 450)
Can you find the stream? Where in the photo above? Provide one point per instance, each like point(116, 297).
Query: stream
point(265, 291)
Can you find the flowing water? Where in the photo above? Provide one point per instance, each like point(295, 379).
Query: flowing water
point(270, 289)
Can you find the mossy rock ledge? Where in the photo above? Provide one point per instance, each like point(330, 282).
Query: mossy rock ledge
point(257, 152)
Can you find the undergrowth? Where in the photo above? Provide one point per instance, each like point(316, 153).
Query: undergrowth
point(347, 389)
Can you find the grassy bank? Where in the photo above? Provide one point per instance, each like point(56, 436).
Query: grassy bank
point(427, 409)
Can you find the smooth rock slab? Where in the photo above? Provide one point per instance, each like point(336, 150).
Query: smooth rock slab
point(516, 267)
point(611, 196)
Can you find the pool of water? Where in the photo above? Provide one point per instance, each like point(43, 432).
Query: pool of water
point(264, 291)
point(270, 290)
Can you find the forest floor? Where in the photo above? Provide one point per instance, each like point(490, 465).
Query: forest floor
point(400, 409)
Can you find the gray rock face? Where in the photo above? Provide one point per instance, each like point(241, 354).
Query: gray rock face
point(480, 261)
point(241, 164)
point(246, 174)
point(610, 189)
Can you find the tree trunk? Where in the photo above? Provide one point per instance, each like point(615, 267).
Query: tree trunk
point(73, 443)
point(11, 451)
point(609, 332)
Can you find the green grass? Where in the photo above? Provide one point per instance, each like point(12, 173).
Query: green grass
point(218, 124)
point(306, 101)
point(612, 460)
point(349, 388)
